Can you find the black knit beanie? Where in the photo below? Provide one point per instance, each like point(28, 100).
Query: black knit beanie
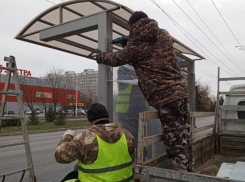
point(97, 111)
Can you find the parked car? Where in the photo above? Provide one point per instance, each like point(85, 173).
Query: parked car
point(81, 112)
point(29, 112)
point(70, 112)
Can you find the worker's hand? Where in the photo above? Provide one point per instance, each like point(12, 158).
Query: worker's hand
point(70, 132)
point(98, 56)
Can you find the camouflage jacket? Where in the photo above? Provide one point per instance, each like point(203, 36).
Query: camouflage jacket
point(150, 51)
point(84, 146)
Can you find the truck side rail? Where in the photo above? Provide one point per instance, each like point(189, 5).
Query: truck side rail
point(144, 170)
point(144, 141)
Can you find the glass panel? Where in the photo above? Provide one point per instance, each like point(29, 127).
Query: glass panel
point(57, 44)
point(106, 5)
point(85, 8)
point(92, 34)
point(120, 29)
point(37, 26)
point(181, 48)
point(52, 17)
point(122, 13)
point(83, 41)
point(68, 16)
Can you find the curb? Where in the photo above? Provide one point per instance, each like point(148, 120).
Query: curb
point(43, 131)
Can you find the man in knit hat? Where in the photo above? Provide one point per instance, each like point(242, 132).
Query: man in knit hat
point(104, 152)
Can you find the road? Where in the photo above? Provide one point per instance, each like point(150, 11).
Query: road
point(43, 146)
point(203, 121)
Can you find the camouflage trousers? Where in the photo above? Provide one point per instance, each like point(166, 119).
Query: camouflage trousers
point(176, 129)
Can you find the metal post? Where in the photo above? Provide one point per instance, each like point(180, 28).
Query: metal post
point(217, 114)
point(60, 14)
point(192, 100)
point(76, 96)
point(218, 87)
point(192, 93)
point(105, 89)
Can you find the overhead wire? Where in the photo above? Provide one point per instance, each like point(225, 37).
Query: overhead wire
point(50, 1)
point(227, 24)
point(240, 67)
point(205, 34)
point(182, 29)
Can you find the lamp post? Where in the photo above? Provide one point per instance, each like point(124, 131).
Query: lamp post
point(76, 96)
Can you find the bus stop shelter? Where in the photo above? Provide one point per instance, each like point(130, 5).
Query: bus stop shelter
point(81, 27)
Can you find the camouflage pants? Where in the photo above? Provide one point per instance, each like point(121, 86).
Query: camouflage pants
point(176, 129)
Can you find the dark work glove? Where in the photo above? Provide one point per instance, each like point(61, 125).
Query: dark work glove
point(121, 40)
point(98, 56)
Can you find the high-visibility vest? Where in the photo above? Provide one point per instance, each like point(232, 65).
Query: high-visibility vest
point(123, 100)
point(73, 180)
point(113, 163)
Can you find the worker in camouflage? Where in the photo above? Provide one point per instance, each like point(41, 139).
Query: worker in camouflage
point(97, 149)
point(150, 51)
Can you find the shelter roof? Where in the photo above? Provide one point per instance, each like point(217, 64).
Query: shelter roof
point(84, 44)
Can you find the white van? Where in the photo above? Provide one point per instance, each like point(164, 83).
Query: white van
point(238, 116)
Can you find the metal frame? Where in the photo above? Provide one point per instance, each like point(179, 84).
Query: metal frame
point(12, 68)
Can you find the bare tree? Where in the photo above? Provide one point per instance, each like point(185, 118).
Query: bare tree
point(29, 88)
point(42, 96)
point(56, 84)
point(204, 99)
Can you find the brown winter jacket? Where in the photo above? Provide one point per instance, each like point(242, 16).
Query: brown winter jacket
point(150, 51)
point(84, 146)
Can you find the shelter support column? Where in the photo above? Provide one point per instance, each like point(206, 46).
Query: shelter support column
point(105, 88)
point(192, 94)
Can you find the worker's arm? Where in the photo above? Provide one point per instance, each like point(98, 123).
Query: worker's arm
point(69, 148)
point(119, 58)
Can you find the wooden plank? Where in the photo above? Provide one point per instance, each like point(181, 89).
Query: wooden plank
point(235, 133)
point(205, 142)
point(196, 146)
point(232, 108)
point(232, 93)
point(199, 140)
point(152, 139)
point(234, 147)
point(232, 78)
point(148, 115)
point(233, 120)
point(156, 160)
point(201, 114)
point(203, 128)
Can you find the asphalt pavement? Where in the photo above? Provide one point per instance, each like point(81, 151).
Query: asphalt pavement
point(43, 147)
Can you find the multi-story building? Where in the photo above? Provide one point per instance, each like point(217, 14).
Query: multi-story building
point(88, 81)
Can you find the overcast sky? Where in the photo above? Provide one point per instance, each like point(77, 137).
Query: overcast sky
point(15, 14)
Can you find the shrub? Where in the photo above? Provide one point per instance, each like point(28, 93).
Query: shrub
point(33, 119)
point(60, 118)
point(50, 115)
point(13, 122)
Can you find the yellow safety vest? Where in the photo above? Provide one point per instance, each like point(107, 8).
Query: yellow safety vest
point(113, 163)
point(123, 100)
point(73, 180)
